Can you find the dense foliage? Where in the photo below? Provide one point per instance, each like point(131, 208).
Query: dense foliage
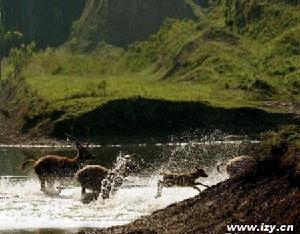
point(8, 40)
point(279, 151)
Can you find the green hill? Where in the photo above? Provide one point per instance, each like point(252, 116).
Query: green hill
point(231, 54)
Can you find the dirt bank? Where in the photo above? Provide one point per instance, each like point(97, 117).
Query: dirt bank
point(139, 120)
point(146, 118)
point(9, 132)
point(271, 200)
point(29, 118)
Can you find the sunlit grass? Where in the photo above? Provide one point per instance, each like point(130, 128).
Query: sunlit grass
point(77, 94)
point(185, 61)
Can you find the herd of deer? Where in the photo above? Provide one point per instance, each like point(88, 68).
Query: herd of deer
point(52, 168)
point(98, 179)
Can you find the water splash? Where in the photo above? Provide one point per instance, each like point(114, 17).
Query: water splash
point(204, 151)
point(24, 206)
point(113, 181)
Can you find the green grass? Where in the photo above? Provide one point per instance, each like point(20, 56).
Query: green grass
point(185, 61)
point(77, 95)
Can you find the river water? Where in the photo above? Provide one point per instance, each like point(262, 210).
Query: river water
point(25, 209)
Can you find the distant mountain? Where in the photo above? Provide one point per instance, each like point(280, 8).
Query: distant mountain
point(121, 22)
point(47, 22)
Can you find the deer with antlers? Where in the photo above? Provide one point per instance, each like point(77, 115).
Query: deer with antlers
point(53, 168)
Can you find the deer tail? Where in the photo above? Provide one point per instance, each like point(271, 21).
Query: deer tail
point(23, 165)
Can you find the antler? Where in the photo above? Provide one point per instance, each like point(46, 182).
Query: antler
point(78, 145)
point(73, 139)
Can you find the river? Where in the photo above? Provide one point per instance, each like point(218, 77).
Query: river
point(24, 208)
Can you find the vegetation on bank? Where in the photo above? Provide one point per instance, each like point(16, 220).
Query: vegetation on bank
point(238, 54)
point(279, 152)
point(8, 40)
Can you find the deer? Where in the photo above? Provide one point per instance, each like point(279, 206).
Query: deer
point(238, 165)
point(181, 180)
point(100, 179)
point(51, 168)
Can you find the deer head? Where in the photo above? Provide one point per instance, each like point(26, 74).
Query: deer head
point(83, 153)
point(200, 172)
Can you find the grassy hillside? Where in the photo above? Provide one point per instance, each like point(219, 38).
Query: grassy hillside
point(237, 55)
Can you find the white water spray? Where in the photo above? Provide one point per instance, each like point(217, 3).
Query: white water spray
point(24, 206)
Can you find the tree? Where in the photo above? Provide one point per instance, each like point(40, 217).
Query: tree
point(18, 58)
point(8, 40)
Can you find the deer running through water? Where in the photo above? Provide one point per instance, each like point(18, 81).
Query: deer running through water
point(53, 168)
point(181, 180)
point(102, 180)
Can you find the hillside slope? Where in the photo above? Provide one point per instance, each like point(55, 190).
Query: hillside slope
point(215, 60)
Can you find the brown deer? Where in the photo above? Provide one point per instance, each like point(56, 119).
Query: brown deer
point(52, 167)
point(181, 180)
point(239, 165)
point(100, 179)
point(91, 177)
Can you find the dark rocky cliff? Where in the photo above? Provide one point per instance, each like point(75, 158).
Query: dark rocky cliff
point(47, 22)
point(117, 22)
point(121, 22)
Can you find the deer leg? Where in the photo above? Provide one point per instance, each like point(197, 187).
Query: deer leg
point(83, 191)
point(84, 197)
point(62, 185)
point(43, 184)
point(50, 184)
point(89, 197)
point(195, 187)
point(204, 185)
point(95, 195)
point(159, 188)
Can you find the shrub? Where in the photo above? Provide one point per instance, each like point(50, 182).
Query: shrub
point(279, 151)
point(18, 58)
point(263, 87)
